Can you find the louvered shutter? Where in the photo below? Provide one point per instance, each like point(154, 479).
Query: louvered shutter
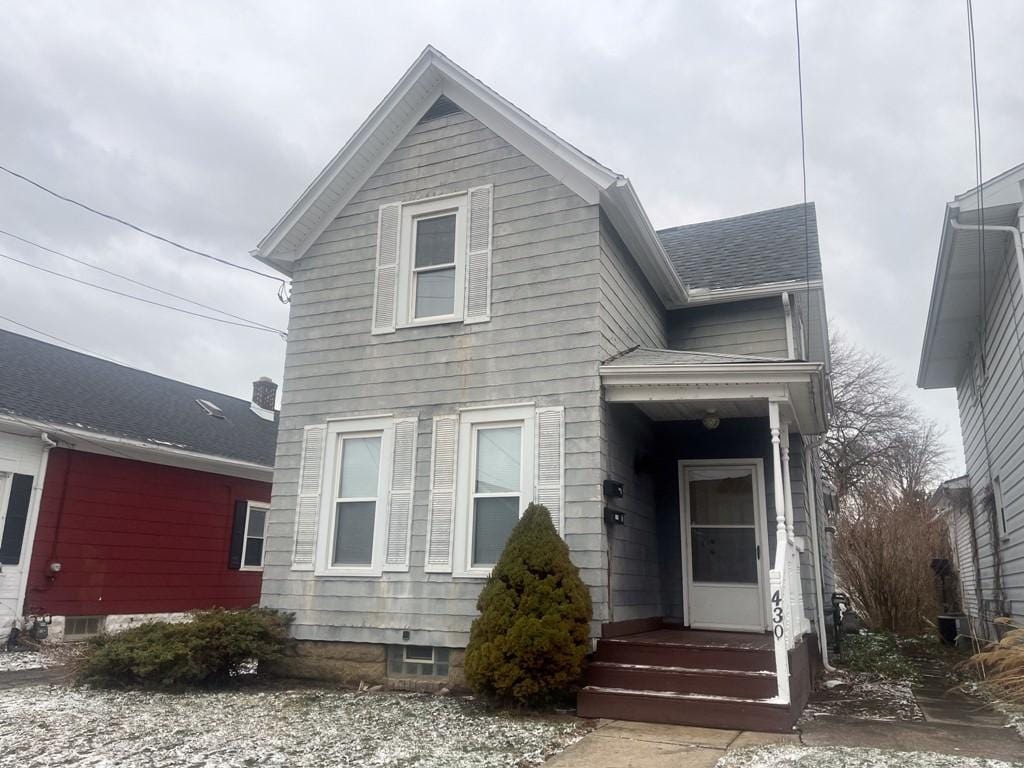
point(442, 495)
point(238, 521)
point(478, 256)
point(306, 513)
point(385, 287)
point(403, 472)
point(551, 462)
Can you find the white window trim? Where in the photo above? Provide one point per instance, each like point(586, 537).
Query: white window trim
point(428, 209)
point(338, 430)
point(470, 420)
point(245, 534)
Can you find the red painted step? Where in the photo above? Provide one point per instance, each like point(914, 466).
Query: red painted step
point(718, 682)
point(684, 654)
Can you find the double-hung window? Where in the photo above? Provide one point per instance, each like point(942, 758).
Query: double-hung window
point(353, 513)
point(255, 535)
point(496, 466)
point(432, 261)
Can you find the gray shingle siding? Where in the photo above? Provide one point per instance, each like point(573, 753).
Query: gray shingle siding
point(755, 327)
point(994, 445)
point(542, 344)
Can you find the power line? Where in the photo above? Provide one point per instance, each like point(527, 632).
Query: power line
point(139, 298)
point(142, 230)
point(63, 341)
point(803, 169)
point(133, 280)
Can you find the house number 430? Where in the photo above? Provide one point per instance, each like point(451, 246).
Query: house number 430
point(777, 615)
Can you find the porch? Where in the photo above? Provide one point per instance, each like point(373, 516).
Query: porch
point(714, 592)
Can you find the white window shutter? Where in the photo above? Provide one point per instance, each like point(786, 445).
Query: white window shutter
point(478, 256)
point(442, 495)
point(551, 462)
point(385, 285)
point(307, 509)
point(403, 473)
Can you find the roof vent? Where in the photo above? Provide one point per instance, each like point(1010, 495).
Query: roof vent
point(210, 409)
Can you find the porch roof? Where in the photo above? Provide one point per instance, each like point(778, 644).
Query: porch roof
point(671, 385)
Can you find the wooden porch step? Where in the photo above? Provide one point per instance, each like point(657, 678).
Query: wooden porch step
point(685, 709)
point(649, 677)
point(684, 654)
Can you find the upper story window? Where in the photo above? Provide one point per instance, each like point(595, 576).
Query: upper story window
point(433, 261)
point(255, 536)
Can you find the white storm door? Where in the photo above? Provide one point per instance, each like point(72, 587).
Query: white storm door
point(723, 519)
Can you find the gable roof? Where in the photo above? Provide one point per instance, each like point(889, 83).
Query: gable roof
point(431, 77)
point(754, 249)
point(53, 385)
point(954, 311)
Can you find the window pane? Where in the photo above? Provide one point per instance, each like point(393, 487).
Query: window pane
point(435, 293)
point(353, 533)
point(724, 554)
point(728, 501)
point(360, 467)
point(498, 459)
point(257, 522)
point(253, 552)
point(494, 520)
point(435, 241)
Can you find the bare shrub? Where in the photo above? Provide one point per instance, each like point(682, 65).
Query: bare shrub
point(1001, 664)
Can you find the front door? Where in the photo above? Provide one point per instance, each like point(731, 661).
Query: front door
point(723, 525)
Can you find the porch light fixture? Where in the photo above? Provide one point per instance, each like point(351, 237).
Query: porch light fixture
point(711, 420)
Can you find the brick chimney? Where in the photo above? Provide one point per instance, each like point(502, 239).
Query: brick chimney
point(264, 393)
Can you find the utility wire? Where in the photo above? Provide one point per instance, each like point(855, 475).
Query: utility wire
point(136, 282)
point(12, 321)
point(139, 298)
point(803, 170)
point(142, 230)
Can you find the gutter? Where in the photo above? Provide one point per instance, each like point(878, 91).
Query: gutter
point(819, 583)
point(1018, 246)
point(110, 444)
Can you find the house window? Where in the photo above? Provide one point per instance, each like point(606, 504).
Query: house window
point(255, 535)
point(417, 661)
point(354, 511)
point(497, 490)
point(82, 627)
point(432, 260)
point(356, 505)
point(495, 483)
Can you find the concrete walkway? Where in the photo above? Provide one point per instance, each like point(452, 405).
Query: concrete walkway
point(622, 744)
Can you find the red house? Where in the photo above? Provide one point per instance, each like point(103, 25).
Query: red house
point(125, 495)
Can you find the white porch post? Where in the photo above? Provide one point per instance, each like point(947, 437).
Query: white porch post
point(778, 604)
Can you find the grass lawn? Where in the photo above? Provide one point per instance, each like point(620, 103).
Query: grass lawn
point(260, 726)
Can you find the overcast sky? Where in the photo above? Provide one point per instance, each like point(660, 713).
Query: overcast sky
point(205, 121)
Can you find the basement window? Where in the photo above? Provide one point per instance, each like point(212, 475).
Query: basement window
point(417, 661)
point(82, 627)
point(210, 409)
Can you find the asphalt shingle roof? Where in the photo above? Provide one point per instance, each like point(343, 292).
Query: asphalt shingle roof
point(51, 384)
point(762, 247)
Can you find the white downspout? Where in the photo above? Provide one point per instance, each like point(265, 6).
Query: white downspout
point(819, 583)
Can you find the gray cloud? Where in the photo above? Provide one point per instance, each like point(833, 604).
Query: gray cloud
point(205, 121)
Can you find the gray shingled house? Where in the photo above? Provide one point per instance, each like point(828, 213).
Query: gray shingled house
point(483, 316)
point(973, 342)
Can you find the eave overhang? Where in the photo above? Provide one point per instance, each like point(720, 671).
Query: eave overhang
point(803, 386)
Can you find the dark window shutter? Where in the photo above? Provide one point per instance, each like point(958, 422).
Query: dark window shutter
point(237, 534)
point(17, 517)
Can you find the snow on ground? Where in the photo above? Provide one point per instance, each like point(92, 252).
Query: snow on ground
point(45, 726)
point(18, 661)
point(848, 757)
point(1014, 712)
point(865, 697)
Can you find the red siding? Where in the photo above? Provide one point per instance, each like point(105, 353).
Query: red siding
point(134, 537)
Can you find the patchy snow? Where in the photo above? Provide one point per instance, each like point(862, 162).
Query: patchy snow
point(1014, 712)
point(790, 756)
point(19, 661)
point(44, 726)
point(865, 697)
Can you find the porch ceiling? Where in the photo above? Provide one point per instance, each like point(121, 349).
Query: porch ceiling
point(668, 391)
